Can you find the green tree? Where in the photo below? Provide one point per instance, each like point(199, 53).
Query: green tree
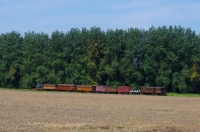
point(33, 69)
point(10, 59)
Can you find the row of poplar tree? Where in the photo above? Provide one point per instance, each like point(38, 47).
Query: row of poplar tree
point(163, 56)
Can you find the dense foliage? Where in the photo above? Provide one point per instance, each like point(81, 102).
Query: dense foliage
point(163, 56)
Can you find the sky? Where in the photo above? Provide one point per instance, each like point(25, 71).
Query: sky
point(50, 15)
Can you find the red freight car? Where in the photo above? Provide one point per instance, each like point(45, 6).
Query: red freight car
point(102, 89)
point(124, 89)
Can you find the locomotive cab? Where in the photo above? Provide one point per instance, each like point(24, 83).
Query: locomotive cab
point(39, 86)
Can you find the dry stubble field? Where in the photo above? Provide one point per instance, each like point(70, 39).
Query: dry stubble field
point(65, 111)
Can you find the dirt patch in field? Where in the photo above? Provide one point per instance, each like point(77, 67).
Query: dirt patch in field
point(66, 111)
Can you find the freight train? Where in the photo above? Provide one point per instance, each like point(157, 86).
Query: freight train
point(102, 89)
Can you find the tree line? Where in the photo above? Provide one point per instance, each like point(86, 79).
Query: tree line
point(163, 56)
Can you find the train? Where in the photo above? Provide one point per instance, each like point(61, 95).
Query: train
point(145, 90)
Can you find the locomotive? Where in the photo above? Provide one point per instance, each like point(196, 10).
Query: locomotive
point(146, 90)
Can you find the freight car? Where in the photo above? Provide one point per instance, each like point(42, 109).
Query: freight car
point(112, 91)
point(160, 91)
point(50, 87)
point(102, 89)
point(124, 89)
point(153, 90)
point(85, 88)
point(66, 87)
point(135, 92)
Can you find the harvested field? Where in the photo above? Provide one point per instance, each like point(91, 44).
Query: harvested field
point(65, 111)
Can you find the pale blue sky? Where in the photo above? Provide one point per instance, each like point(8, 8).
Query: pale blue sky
point(62, 15)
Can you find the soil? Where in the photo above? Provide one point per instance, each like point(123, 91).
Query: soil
point(32, 111)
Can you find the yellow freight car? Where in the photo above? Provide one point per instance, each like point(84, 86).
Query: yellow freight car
point(50, 87)
point(112, 90)
point(85, 88)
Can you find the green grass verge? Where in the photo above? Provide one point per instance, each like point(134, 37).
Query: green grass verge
point(183, 95)
point(17, 89)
